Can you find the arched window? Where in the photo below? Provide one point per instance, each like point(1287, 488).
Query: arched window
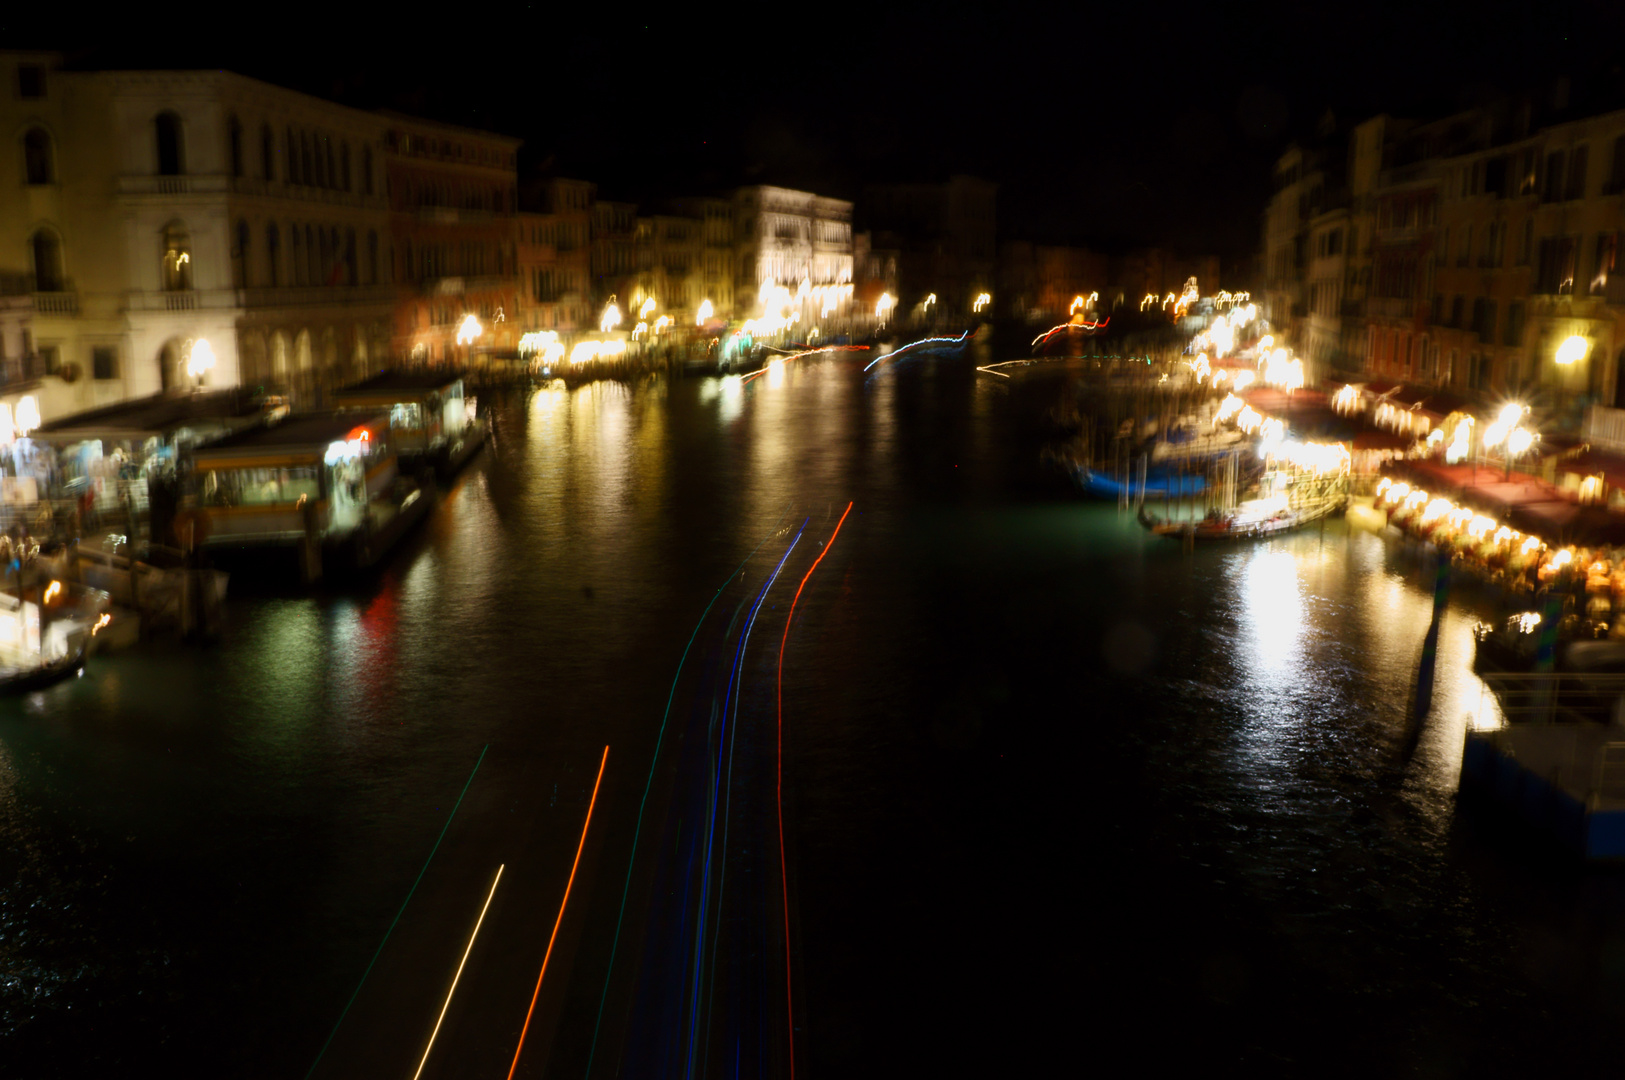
point(349, 258)
point(297, 243)
point(290, 169)
point(177, 258)
point(372, 256)
point(329, 172)
point(37, 163)
point(307, 173)
point(319, 144)
point(267, 153)
point(344, 166)
point(47, 250)
point(366, 170)
point(273, 256)
point(234, 142)
point(239, 257)
point(313, 273)
point(171, 151)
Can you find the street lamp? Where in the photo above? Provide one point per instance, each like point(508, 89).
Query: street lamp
point(611, 317)
point(468, 333)
point(883, 307)
point(199, 360)
point(1573, 349)
point(704, 313)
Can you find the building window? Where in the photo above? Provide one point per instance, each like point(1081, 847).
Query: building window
point(273, 256)
point(350, 276)
point(366, 170)
point(1514, 327)
point(171, 152)
point(37, 157)
point(239, 257)
point(1528, 248)
point(1607, 254)
point(1577, 173)
point(30, 82)
point(1466, 246)
point(234, 141)
point(344, 165)
point(1555, 275)
point(1484, 320)
point(290, 168)
point(372, 257)
point(1554, 178)
point(47, 251)
point(296, 248)
point(104, 362)
point(177, 259)
point(307, 170)
point(267, 153)
point(1616, 174)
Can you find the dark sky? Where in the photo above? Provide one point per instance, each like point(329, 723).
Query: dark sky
point(1136, 124)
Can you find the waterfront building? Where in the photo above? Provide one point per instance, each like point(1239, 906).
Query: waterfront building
point(146, 212)
point(944, 234)
point(1498, 238)
point(613, 258)
point(787, 239)
point(555, 260)
point(454, 217)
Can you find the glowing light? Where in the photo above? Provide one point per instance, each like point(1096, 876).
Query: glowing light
point(1266, 343)
point(1530, 545)
point(1346, 400)
point(1077, 302)
point(100, 623)
point(611, 317)
point(52, 591)
point(639, 330)
point(1519, 441)
point(647, 306)
point(1528, 621)
point(200, 358)
point(459, 974)
point(556, 922)
point(1573, 349)
point(982, 301)
point(704, 313)
point(1436, 508)
point(662, 323)
point(470, 331)
point(1243, 379)
point(967, 335)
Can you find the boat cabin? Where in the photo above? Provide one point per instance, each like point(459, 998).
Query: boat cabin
point(427, 411)
point(109, 455)
point(309, 477)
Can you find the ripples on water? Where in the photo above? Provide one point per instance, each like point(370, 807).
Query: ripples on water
point(1038, 759)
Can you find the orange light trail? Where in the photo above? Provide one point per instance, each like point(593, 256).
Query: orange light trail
point(784, 875)
point(1085, 325)
point(809, 352)
point(439, 1020)
point(556, 922)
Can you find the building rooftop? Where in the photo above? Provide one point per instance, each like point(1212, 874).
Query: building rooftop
point(160, 414)
point(306, 431)
point(407, 382)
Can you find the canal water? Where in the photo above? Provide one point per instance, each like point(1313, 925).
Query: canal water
point(1053, 792)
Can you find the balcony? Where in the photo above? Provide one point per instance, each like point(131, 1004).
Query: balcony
point(188, 300)
point(56, 303)
point(316, 296)
point(171, 185)
point(1605, 428)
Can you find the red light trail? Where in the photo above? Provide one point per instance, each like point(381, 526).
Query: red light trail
point(784, 876)
point(556, 922)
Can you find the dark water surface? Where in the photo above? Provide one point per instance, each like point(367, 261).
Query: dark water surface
point(1052, 791)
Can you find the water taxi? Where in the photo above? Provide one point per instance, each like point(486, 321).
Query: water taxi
point(431, 422)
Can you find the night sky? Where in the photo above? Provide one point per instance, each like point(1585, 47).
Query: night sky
point(1137, 124)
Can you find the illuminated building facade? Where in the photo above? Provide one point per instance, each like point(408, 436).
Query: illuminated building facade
point(148, 211)
point(614, 257)
point(784, 238)
point(1515, 231)
point(453, 201)
point(555, 260)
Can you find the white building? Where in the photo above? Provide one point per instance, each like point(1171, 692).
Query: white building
point(141, 212)
point(791, 240)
